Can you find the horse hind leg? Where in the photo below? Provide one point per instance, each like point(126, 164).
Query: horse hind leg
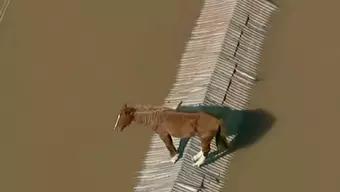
point(197, 156)
point(171, 148)
point(202, 155)
point(222, 143)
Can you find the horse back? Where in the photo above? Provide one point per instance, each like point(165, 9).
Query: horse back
point(181, 124)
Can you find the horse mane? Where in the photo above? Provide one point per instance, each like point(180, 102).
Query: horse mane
point(150, 108)
point(150, 114)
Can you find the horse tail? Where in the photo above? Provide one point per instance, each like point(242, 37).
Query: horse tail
point(221, 138)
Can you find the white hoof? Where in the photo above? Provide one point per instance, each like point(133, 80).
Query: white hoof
point(199, 162)
point(197, 156)
point(174, 158)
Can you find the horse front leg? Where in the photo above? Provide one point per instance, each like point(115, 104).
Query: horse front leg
point(170, 146)
point(202, 155)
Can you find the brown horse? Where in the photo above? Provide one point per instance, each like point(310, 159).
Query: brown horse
point(167, 122)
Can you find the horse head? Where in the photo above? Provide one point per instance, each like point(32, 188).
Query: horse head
point(125, 117)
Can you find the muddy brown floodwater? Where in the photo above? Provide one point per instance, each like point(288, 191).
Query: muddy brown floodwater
point(67, 66)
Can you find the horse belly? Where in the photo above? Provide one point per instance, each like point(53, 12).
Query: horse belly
point(181, 131)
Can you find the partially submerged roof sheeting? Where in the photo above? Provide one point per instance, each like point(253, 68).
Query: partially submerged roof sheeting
point(218, 67)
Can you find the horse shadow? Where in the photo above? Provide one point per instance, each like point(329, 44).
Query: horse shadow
point(182, 144)
point(248, 125)
point(254, 125)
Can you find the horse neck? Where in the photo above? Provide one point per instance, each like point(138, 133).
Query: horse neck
point(147, 117)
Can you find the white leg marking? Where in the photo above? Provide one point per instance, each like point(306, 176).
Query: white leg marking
point(174, 158)
point(116, 122)
point(199, 162)
point(197, 156)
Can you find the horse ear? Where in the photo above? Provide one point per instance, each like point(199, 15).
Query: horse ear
point(125, 106)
